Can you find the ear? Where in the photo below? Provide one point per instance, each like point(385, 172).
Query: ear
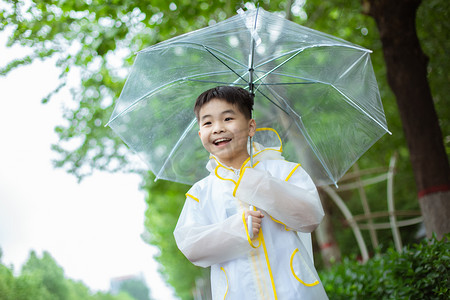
point(199, 134)
point(251, 127)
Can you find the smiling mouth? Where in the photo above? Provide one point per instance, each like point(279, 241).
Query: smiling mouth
point(221, 141)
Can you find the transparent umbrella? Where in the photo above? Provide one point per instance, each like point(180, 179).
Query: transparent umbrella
point(317, 91)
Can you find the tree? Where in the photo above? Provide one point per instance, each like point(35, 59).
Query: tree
point(47, 273)
point(165, 200)
point(43, 279)
point(136, 288)
point(20, 288)
point(407, 75)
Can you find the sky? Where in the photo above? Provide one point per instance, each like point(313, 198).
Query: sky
point(92, 229)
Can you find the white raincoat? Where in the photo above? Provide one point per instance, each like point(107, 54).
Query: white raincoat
point(277, 263)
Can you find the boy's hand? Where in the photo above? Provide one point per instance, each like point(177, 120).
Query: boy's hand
point(256, 219)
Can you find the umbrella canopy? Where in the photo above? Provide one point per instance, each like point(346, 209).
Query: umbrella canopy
point(317, 91)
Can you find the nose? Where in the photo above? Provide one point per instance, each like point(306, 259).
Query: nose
point(218, 127)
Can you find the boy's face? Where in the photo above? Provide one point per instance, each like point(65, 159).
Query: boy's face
point(224, 131)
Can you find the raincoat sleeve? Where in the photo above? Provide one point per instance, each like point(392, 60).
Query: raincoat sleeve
point(293, 200)
point(205, 243)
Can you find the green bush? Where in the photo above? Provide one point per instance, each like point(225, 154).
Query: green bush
point(421, 271)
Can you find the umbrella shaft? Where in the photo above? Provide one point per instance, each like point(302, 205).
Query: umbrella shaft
point(249, 222)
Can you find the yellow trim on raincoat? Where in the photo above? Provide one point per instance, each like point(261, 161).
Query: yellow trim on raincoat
point(292, 172)
point(271, 129)
point(226, 277)
point(239, 181)
point(295, 275)
point(192, 197)
point(279, 222)
point(261, 237)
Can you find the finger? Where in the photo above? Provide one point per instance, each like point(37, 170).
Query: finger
point(256, 221)
point(255, 231)
point(256, 213)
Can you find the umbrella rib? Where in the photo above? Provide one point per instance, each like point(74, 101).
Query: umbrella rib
point(271, 101)
point(216, 57)
point(175, 147)
point(308, 47)
point(208, 47)
point(352, 103)
point(298, 77)
point(308, 81)
point(365, 55)
point(296, 52)
point(158, 88)
point(286, 83)
point(218, 82)
point(224, 54)
point(284, 62)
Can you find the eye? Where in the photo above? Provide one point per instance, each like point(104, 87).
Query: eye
point(228, 119)
point(207, 123)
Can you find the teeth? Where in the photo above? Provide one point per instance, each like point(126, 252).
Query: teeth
point(221, 140)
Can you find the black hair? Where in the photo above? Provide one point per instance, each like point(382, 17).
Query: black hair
point(238, 96)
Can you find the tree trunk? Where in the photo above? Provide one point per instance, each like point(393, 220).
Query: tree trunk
point(407, 76)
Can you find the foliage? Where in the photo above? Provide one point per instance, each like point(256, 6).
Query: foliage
point(48, 273)
point(43, 279)
point(165, 200)
point(418, 272)
point(21, 288)
point(97, 39)
point(136, 288)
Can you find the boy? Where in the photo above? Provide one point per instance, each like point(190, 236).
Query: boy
point(212, 228)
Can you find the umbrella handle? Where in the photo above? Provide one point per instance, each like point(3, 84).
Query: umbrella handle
point(249, 223)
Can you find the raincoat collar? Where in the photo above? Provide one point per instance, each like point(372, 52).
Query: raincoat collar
point(260, 153)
